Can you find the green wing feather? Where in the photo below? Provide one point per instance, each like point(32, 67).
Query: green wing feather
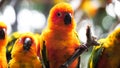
point(44, 55)
point(78, 66)
point(10, 44)
point(95, 55)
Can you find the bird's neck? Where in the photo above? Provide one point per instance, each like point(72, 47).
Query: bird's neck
point(3, 54)
point(58, 35)
point(24, 58)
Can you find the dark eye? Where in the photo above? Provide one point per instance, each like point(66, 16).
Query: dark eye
point(2, 33)
point(59, 14)
point(27, 43)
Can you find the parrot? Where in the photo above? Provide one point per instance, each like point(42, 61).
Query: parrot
point(59, 40)
point(3, 43)
point(106, 55)
point(11, 40)
point(24, 52)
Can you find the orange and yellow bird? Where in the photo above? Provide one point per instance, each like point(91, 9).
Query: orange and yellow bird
point(107, 55)
point(24, 52)
point(3, 43)
point(59, 39)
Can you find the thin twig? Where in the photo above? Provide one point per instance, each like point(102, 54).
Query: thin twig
point(90, 42)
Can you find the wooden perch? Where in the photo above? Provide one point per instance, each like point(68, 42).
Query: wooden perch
point(90, 42)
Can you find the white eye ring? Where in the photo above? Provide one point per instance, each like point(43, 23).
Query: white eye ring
point(59, 14)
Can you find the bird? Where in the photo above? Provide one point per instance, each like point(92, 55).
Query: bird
point(24, 52)
point(59, 40)
point(107, 54)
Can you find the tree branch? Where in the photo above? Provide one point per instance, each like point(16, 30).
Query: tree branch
point(90, 42)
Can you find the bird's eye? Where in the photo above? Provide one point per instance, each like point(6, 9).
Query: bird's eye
point(27, 43)
point(59, 14)
point(2, 33)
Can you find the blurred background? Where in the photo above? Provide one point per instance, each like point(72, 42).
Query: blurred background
point(31, 15)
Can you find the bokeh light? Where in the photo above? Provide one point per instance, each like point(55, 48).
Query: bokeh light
point(30, 20)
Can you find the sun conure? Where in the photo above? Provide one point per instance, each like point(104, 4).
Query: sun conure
point(24, 52)
point(107, 55)
point(59, 39)
point(3, 43)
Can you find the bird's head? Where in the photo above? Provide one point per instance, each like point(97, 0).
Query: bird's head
point(114, 37)
point(61, 17)
point(25, 44)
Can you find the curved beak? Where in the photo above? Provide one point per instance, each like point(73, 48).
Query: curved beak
point(67, 19)
point(27, 44)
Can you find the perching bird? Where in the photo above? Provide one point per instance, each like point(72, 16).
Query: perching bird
point(107, 55)
point(24, 52)
point(59, 39)
point(3, 43)
point(11, 40)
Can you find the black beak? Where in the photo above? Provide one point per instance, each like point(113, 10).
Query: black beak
point(67, 19)
point(2, 33)
point(27, 44)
